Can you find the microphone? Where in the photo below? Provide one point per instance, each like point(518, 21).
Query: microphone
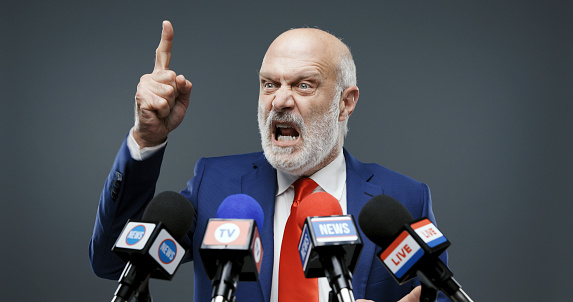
point(231, 248)
point(151, 246)
point(330, 244)
point(410, 247)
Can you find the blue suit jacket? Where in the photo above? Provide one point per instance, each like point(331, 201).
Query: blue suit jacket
point(131, 185)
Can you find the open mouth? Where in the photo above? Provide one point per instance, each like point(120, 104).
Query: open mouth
point(285, 132)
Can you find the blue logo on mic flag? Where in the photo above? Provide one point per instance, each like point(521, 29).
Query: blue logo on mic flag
point(135, 235)
point(167, 251)
point(329, 229)
point(304, 246)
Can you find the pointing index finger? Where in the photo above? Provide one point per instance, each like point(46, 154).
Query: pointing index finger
point(163, 52)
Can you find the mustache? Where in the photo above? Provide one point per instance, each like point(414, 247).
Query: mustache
point(285, 117)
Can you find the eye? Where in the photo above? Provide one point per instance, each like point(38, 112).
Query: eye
point(303, 86)
point(268, 85)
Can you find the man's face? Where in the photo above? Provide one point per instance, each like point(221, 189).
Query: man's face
point(298, 107)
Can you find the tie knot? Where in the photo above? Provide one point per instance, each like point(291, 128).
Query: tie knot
point(302, 188)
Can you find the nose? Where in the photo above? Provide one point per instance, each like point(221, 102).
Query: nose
point(283, 100)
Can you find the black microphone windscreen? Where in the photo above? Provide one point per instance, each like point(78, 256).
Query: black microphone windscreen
point(381, 218)
point(173, 210)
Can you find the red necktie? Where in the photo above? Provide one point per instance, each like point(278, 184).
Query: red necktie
point(293, 286)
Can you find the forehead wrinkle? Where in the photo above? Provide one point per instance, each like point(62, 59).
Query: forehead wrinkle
point(308, 75)
point(293, 69)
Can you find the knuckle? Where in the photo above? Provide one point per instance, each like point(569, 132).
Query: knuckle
point(161, 103)
point(171, 75)
point(169, 90)
point(145, 78)
point(142, 92)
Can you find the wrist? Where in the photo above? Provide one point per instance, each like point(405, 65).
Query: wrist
point(139, 152)
point(143, 141)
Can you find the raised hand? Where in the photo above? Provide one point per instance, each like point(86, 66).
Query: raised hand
point(162, 97)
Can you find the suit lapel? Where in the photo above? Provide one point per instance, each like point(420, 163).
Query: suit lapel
point(260, 183)
point(359, 192)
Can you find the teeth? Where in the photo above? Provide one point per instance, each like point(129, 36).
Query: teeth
point(282, 137)
point(286, 138)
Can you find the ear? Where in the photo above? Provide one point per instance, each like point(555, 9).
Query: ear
point(348, 100)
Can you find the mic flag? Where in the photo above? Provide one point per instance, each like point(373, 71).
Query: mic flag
point(143, 239)
point(404, 241)
point(418, 239)
point(320, 235)
point(232, 239)
point(326, 231)
point(165, 222)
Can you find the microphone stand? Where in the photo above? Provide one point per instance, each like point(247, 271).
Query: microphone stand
point(339, 278)
point(344, 295)
point(143, 295)
point(439, 277)
point(130, 281)
point(225, 282)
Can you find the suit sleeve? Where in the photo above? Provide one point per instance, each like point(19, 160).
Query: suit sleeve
point(128, 189)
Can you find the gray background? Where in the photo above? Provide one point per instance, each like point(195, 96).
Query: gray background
point(472, 98)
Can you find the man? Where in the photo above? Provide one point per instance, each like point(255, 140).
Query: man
point(307, 93)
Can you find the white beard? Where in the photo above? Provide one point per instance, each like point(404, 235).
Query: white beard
point(319, 137)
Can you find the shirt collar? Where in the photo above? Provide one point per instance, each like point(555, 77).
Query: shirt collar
point(330, 178)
